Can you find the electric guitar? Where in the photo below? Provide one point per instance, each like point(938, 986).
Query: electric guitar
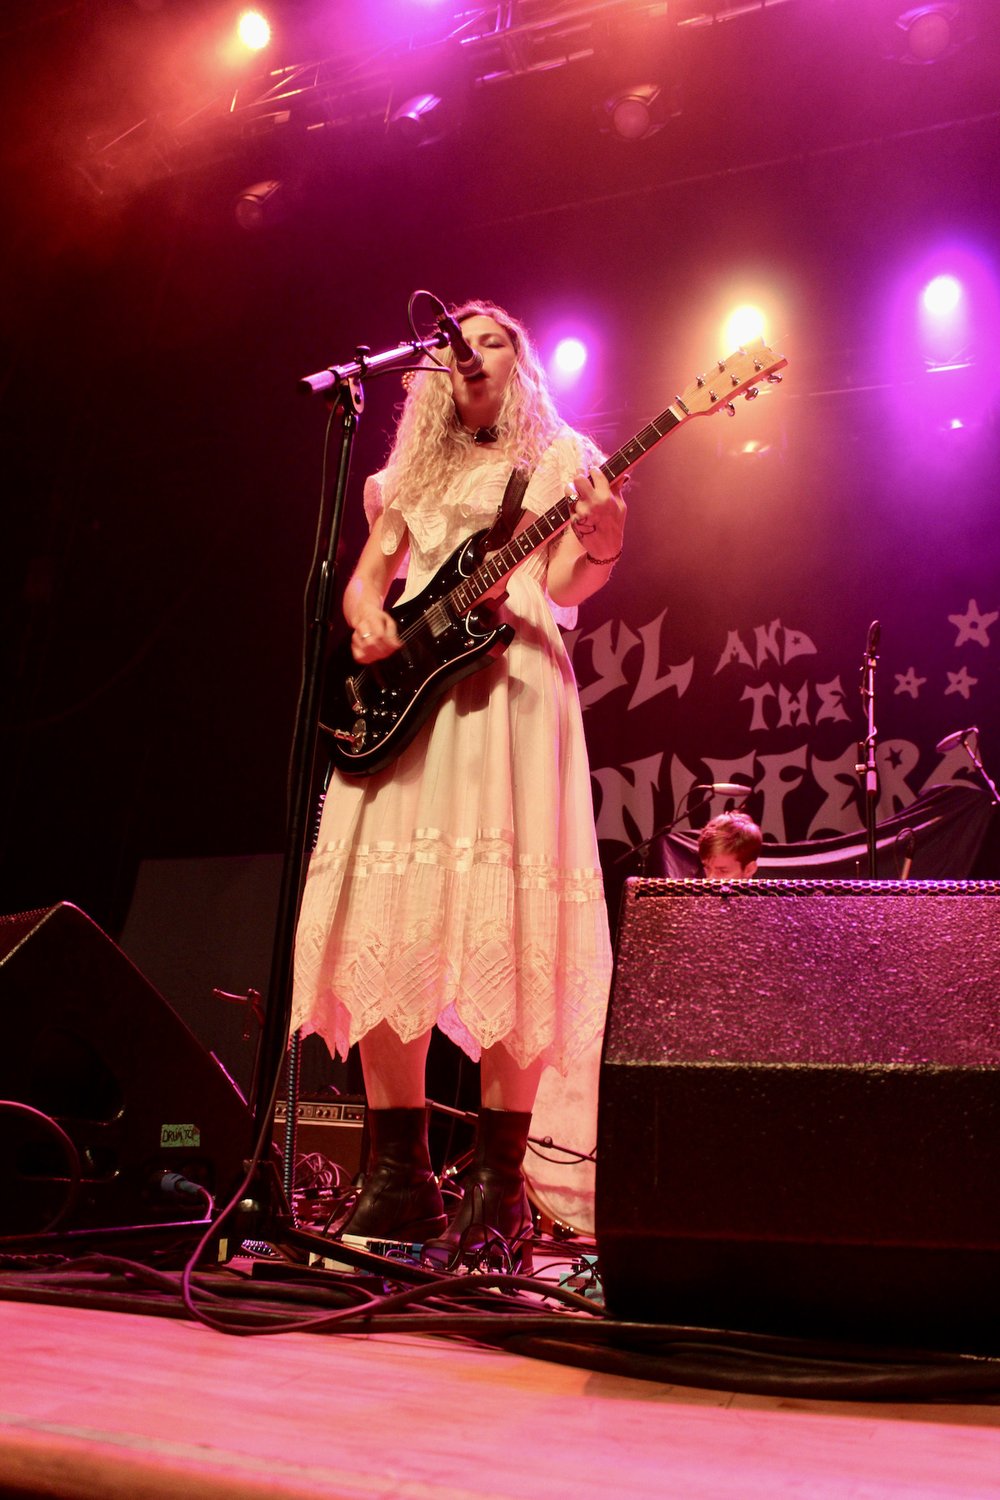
point(370, 713)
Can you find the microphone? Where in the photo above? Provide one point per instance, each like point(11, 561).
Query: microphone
point(874, 632)
point(951, 740)
point(468, 361)
point(725, 789)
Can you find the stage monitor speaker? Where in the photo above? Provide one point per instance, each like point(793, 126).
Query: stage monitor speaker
point(799, 1112)
point(87, 1042)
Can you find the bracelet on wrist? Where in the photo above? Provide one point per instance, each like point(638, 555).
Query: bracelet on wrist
point(604, 562)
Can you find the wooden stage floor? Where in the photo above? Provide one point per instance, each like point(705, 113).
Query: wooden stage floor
point(100, 1404)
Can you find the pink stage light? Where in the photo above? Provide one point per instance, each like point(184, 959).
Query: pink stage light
point(942, 328)
point(942, 296)
point(946, 333)
point(571, 346)
point(569, 358)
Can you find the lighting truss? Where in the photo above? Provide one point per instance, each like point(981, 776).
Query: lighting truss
point(485, 46)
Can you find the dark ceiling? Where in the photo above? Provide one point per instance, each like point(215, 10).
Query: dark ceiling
point(112, 101)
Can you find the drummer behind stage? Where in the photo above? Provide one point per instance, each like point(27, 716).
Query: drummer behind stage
point(728, 847)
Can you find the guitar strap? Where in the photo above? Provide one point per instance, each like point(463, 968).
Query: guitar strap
point(510, 509)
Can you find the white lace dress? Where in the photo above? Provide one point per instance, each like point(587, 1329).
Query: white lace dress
point(461, 885)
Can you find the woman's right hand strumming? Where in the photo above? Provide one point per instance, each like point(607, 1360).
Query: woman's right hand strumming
point(373, 629)
point(374, 636)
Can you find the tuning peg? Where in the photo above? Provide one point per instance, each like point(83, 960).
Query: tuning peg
point(774, 378)
point(751, 393)
point(700, 380)
point(730, 408)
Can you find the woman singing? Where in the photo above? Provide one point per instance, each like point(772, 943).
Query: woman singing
point(460, 886)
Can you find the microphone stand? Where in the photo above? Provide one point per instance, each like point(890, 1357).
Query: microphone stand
point(866, 766)
point(341, 385)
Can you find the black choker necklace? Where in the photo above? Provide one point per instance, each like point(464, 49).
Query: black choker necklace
point(479, 434)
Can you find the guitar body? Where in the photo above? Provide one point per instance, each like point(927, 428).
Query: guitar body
point(370, 714)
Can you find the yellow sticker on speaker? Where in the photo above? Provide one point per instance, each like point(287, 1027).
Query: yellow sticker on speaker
point(180, 1135)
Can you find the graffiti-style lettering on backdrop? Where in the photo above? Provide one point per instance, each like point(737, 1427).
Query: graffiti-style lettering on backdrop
point(765, 703)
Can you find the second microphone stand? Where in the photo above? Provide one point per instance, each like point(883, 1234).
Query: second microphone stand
point(867, 767)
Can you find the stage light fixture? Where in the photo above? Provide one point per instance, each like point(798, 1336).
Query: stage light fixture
point(417, 121)
point(569, 357)
point(744, 324)
point(253, 30)
point(261, 205)
point(946, 332)
point(636, 112)
point(942, 295)
point(926, 34)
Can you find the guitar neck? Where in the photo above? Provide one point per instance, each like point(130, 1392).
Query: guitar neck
point(501, 564)
point(637, 447)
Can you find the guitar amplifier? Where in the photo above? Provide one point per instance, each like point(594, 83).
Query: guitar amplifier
point(799, 1128)
point(333, 1128)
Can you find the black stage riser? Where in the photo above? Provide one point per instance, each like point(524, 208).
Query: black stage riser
point(800, 1110)
point(85, 1039)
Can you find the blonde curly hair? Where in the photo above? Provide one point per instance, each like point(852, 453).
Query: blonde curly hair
point(431, 444)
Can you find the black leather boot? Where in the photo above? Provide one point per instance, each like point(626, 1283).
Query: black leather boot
point(493, 1224)
point(399, 1197)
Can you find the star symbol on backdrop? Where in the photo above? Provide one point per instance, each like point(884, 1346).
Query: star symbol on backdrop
point(909, 682)
point(960, 682)
point(974, 625)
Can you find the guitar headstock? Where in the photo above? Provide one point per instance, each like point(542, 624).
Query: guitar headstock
point(740, 374)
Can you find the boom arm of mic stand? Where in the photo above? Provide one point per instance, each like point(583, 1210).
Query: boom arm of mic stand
point(366, 363)
point(660, 832)
point(976, 759)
